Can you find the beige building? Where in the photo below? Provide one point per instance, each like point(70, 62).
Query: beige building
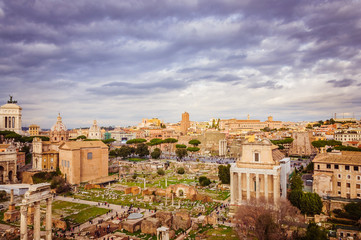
point(34, 130)
point(257, 173)
point(45, 155)
point(338, 174)
point(10, 116)
point(248, 124)
point(83, 161)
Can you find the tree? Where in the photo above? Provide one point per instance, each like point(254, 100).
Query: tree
point(181, 152)
point(314, 232)
point(14, 136)
point(266, 220)
point(204, 181)
point(193, 149)
point(156, 153)
point(224, 174)
point(59, 184)
point(296, 182)
point(169, 142)
point(110, 140)
point(81, 137)
point(161, 172)
point(180, 170)
point(142, 150)
point(308, 203)
point(136, 141)
point(180, 146)
point(124, 151)
point(194, 142)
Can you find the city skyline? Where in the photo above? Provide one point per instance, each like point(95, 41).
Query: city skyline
point(119, 62)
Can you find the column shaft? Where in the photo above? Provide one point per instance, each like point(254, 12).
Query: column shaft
point(257, 186)
point(37, 221)
point(266, 187)
point(48, 219)
point(23, 222)
point(248, 190)
point(232, 190)
point(239, 188)
point(276, 188)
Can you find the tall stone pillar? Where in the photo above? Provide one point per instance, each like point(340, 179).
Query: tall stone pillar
point(23, 222)
point(276, 188)
point(248, 189)
point(257, 186)
point(48, 224)
point(37, 221)
point(232, 189)
point(266, 187)
point(239, 188)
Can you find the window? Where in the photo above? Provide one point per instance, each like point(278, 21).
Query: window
point(347, 167)
point(339, 176)
point(339, 192)
point(336, 166)
point(90, 155)
point(358, 186)
point(358, 178)
point(348, 185)
point(256, 157)
point(328, 166)
point(338, 184)
point(358, 195)
point(355, 168)
point(51, 160)
point(318, 166)
point(68, 163)
point(348, 177)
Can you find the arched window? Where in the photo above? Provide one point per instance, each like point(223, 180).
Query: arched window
point(6, 122)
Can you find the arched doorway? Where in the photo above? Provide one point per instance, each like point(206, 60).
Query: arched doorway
point(11, 176)
point(1, 174)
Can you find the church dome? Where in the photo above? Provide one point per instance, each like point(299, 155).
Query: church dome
point(94, 127)
point(59, 125)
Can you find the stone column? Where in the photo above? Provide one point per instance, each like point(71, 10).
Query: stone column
point(239, 188)
point(11, 196)
point(37, 221)
point(257, 186)
point(248, 190)
point(23, 222)
point(232, 189)
point(48, 220)
point(276, 188)
point(266, 187)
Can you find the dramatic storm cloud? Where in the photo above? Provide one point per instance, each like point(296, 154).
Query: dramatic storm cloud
point(120, 61)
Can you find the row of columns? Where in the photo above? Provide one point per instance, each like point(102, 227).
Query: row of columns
point(10, 122)
point(48, 221)
point(236, 186)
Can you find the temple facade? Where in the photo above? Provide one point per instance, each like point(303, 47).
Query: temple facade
point(257, 173)
point(94, 131)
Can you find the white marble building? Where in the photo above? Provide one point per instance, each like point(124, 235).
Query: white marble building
point(10, 116)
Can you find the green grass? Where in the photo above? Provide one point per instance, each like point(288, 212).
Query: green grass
point(76, 213)
point(221, 232)
point(86, 215)
point(137, 159)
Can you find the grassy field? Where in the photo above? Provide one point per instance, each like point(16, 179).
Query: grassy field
point(76, 213)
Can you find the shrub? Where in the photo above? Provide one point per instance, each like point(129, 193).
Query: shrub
point(160, 171)
point(180, 170)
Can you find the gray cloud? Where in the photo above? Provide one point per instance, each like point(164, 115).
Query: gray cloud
point(201, 54)
point(341, 83)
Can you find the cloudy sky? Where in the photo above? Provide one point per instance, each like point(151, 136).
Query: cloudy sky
point(121, 61)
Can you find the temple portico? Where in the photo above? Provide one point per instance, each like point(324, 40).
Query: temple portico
point(247, 183)
point(257, 173)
